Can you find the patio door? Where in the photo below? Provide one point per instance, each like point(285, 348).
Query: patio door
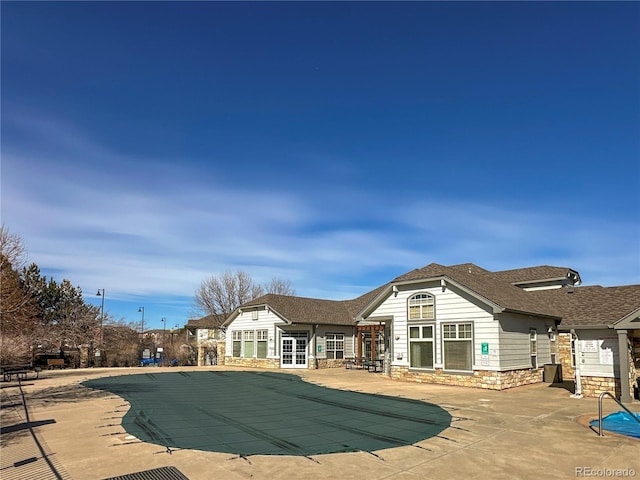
point(294, 350)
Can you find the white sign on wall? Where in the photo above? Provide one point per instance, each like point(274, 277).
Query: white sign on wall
point(589, 346)
point(606, 356)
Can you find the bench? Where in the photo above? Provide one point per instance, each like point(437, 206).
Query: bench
point(20, 371)
point(374, 366)
point(55, 362)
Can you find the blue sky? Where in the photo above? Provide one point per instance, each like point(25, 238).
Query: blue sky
point(149, 145)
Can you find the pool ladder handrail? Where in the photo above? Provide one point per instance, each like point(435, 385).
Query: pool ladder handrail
point(600, 411)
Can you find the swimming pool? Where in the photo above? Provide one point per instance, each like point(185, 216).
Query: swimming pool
point(621, 423)
point(267, 413)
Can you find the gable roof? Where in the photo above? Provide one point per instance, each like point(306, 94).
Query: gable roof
point(311, 310)
point(593, 306)
point(484, 285)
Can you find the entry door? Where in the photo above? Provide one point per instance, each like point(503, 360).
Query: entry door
point(294, 351)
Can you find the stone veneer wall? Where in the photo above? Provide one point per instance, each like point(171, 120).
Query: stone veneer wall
point(330, 363)
point(479, 379)
point(564, 356)
point(594, 386)
point(221, 350)
point(252, 362)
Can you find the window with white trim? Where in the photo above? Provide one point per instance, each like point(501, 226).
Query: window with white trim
point(553, 345)
point(533, 347)
point(334, 345)
point(248, 343)
point(261, 343)
point(457, 346)
point(421, 306)
point(421, 349)
point(237, 343)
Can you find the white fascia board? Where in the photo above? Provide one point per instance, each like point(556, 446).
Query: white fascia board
point(626, 321)
point(373, 304)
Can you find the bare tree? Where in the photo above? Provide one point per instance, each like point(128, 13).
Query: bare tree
point(17, 305)
point(12, 249)
point(221, 295)
point(280, 286)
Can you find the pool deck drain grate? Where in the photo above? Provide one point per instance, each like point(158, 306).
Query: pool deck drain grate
point(162, 473)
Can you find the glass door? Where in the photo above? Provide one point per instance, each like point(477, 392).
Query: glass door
point(294, 350)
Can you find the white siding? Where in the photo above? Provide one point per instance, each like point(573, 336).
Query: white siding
point(605, 344)
point(450, 306)
point(266, 321)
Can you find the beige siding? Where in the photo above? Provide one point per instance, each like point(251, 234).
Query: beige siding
point(321, 332)
point(514, 351)
point(593, 363)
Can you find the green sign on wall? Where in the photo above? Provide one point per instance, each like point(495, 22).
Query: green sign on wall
point(485, 348)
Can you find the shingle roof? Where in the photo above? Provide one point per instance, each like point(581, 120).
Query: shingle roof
point(305, 310)
point(315, 310)
point(485, 284)
point(207, 322)
point(532, 274)
point(592, 306)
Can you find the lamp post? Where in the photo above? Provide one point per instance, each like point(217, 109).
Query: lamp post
point(141, 309)
point(164, 326)
point(101, 294)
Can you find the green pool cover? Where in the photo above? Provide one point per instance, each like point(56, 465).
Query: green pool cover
point(263, 413)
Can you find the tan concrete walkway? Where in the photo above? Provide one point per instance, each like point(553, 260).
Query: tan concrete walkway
point(527, 432)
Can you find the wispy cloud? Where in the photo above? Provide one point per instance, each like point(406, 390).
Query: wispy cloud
point(109, 223)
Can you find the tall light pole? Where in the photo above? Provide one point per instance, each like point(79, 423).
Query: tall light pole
point(164, 326)
point(101, 294)
point(141, 309)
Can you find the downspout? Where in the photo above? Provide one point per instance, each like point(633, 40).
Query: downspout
point(576, 348)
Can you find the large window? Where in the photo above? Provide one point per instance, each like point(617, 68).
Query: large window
point(421, 346)
point(261, 340)
point(421, 306)
point(248, 344)
point(237, 343)
point(335, 345)
point(457, 340)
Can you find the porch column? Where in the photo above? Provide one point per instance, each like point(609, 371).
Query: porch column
point(373, 343)
point(359, 346)
point(623, 353)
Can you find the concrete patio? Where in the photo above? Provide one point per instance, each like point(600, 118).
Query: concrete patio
point(525, 432)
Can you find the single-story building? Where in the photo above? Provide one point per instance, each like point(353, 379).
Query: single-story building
point(597, 324)
point(453, 325)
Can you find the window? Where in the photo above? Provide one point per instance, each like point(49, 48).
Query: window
point(457, 339)
point(261, 337)
point(248, 344)
point(421, 346)
point(335, 345)
point(553, 345)
point(237, 339)
point(533, 347)
point(421, 306)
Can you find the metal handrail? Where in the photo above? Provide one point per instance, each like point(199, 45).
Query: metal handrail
point(600, 411)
